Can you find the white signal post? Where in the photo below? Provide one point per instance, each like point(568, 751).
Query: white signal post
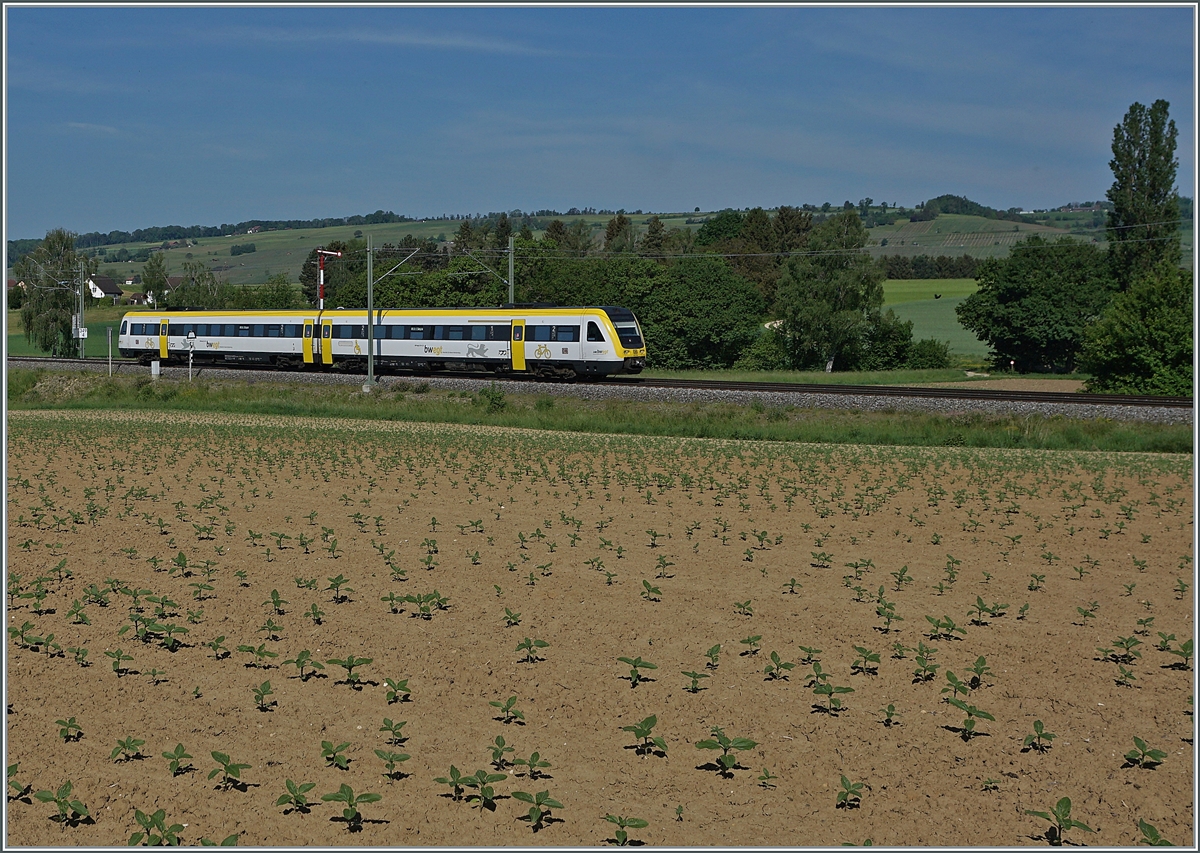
point(321, 253)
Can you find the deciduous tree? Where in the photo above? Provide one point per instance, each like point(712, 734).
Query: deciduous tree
point(1143, 226)
point(51, 276)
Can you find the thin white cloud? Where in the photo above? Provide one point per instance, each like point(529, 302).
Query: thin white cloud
point(86, 127)
point(398, 38)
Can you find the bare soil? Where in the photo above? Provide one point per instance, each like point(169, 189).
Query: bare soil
point(109, 493)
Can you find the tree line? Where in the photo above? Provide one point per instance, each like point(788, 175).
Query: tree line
point(795, 289)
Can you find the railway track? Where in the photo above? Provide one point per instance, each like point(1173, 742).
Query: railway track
point(982, 394)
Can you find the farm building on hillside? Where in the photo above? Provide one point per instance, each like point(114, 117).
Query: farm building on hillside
point(101, 286)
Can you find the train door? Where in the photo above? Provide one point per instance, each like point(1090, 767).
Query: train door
point(162, 339)
point(308, 341)
point(327, 342)
point(518, 345)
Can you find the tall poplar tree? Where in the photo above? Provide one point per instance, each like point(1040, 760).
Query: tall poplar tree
point(1143, 226)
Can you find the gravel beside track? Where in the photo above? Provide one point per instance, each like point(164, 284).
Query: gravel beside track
point(594, 391)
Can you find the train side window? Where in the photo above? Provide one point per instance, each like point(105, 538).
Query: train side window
point(134, 328)
point(243, 331)
point(416, 333)
point(259, 330)
point(439, 333)
point(307, 331)
point(540, 333)
point(273, 330)
point(479, 333)
point(291, 330)
point(230, 330)
point(568, 334)
point(456, 333)
point(326, 331)
point(593, 333)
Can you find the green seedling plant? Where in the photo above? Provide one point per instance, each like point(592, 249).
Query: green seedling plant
point(341, 592)
point(261, 655)
point(889, 715)
point(726, 763)
point(118, 661)
point(481, 783)
point(350, 813)
point(647, 741)
point(973, 713)
point(850, 796)
point(390, 760)
point(811, 655)
point(978, 671)
point(69, 730)
point(621, 836)
point(751, 644)
point(276, 601)
point(454, 781)
point(128, 749)
point(530, 647)
point(155, 832)
point(1151, 836)
point(295, 798)
point(1143, 756)
point(303, 661)
point(790, 587)
point(397, 691)
point(778, 668)
point(511, 619)
point(766, 779)
point(17, 790)
point(395, 738)
point(508, 712)
point(540, 805)
point(867, 662)
point(1184, 652)
point(177, 760)
point(713, 656)
point(533, 765)
point(260, 696)
point(229, 771)
point(1039, 739)
point(333, 754)
point(956, 686)
point(1060, 816)
point(695, 687)
point(832, 691)
point(350, 663)
point(636, 666)
point(651, 593)
point(71, 812)
point(499, 750)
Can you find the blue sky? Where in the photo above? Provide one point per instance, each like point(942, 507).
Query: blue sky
point(121, 118)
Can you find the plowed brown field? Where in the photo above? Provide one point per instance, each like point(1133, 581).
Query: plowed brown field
point(606, 547)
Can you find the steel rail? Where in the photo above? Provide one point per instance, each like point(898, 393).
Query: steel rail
point(996, 395)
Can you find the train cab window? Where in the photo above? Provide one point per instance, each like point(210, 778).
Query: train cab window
point(124, 327)
point(593, 333)
point(568, 334)
point(478, 333)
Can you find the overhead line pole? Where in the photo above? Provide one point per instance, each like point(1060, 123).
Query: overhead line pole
point(371, 310)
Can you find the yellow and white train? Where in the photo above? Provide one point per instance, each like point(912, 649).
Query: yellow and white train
point(547, 342)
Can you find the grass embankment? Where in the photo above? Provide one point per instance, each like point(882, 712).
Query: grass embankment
point(416, 401)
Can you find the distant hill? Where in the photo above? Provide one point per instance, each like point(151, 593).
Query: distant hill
point(963, 206)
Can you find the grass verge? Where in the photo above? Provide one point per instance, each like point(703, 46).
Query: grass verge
point(416, 401)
